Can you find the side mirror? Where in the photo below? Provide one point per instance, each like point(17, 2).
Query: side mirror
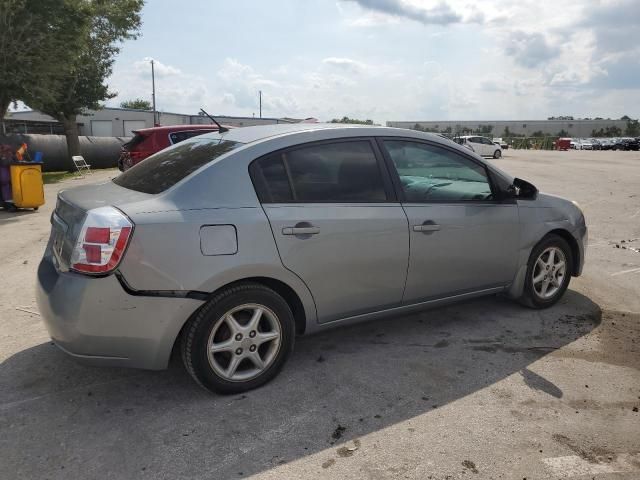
point(523, 189)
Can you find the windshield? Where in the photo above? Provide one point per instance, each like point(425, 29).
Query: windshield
point(134, 142)
point(167, 167)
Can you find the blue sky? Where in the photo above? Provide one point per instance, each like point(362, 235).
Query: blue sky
point(388, 59)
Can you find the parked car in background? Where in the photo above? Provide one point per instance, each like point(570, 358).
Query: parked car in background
point(480, 145)
point(563, 144)
point(575, 143)
point(498, 141)
point(627, 143)
point(228, 245)
point(595, 144)
point(147, 141)
point(606, 143)
point(586, 144)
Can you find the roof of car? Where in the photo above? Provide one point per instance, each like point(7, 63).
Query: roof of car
point(261, 132)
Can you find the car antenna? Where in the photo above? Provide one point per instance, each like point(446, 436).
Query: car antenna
point(221, 129)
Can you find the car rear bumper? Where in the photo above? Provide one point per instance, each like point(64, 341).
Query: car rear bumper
point(95, 321)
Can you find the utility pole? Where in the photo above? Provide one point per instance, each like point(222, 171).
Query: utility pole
point(260, 97)
point(153, 93)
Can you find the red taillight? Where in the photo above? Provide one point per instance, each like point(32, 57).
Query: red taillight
point(97, 235)
point(103, 239)
point(92, 252)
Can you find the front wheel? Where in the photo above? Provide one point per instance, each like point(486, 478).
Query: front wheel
point(548, 272)
point(497, 154)
point(239, 340)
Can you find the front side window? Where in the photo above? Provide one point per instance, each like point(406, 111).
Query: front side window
point(167, 167)
point(433, 174)
point(340, 172)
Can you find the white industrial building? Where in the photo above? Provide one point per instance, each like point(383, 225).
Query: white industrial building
point(573, 128)
point(120, 122)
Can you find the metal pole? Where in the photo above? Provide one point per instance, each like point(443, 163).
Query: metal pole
point(260, 96)
point(153, 94)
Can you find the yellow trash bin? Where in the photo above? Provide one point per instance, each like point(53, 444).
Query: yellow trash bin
point(27, 185)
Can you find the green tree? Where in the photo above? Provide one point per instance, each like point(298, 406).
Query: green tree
point(35, 39)
point(625, 117)
point(136, 104)
point(506, 133)
point(538, 133)
point(106, 23)
point(562, 133)
point(485, 129)
point(354, 121)
point(633, 128)
point(613, 131)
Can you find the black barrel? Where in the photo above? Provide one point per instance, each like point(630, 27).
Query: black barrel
point(99, 152)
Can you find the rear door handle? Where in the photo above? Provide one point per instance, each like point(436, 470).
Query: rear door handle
point(300, 230)
point(426, 227)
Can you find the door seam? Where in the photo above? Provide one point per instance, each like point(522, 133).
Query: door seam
point(406, 277)
point(275, 242)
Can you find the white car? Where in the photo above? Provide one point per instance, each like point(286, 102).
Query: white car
point(499, 141)
point(586, 144)
point(481, 145)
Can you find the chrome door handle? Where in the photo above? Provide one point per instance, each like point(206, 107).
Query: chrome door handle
point(429, 227)
point(300, 230)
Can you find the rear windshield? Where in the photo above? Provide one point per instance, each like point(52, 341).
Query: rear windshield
point(167, 167)
point(134, 142)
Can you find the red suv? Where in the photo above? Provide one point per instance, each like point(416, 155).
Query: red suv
point(148, 141)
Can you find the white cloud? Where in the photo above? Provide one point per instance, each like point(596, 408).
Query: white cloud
point(143, 67)
point(347, 64)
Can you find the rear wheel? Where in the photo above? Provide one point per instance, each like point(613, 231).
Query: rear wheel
point(548, 272)
point(239, 340)
point(497, 154)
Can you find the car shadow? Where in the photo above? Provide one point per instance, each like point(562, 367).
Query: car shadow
point(70, 421)
point(8, 216)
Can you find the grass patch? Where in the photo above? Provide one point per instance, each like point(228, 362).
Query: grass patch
point(55, 177)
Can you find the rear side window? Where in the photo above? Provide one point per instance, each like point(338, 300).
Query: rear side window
point(167, 167)
point(323, 173)
point(271, 180)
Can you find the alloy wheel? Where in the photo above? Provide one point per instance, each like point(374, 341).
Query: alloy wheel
point(549, 272)
point(244, 342)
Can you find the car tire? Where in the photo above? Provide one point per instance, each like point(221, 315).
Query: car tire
point(221, 335)
point(497, 154)
point(542, 289)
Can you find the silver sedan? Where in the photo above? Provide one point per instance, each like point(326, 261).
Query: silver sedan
point(227, 246)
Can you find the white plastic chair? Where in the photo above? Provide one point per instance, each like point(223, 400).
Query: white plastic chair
point(81, 165)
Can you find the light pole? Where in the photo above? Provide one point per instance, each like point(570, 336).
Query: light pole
point(153, 93)
point(260, 100)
